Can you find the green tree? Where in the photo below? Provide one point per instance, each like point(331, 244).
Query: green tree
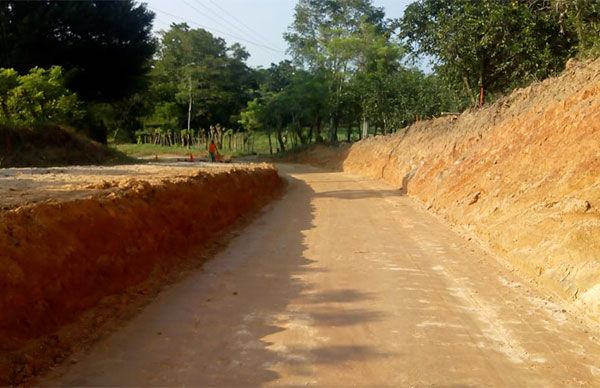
point(36, 98)
point(489, 46)
point(208, 81)
point(582, 17)
point(326, 36)
point(103, 46)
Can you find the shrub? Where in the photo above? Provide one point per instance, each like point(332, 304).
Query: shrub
point(38, 97)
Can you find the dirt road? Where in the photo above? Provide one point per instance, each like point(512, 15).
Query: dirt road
point(344, 281)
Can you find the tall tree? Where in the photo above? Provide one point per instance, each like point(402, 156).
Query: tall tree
point(104, 46)
point(489, 45)
point(208, 82)
point(325, 36)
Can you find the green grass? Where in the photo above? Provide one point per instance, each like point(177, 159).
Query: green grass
point(261, 146)
point(152, 149)
point(261, 143)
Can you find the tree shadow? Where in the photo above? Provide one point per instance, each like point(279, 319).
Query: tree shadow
point(217, 326)
point(346, 295)
point(359, 194)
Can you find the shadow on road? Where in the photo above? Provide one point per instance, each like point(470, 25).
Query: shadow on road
point(359, 194)
point(273, 309)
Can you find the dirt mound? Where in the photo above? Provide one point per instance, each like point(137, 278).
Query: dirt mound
point(522, 176)
point(58, 259)
point(51, 146)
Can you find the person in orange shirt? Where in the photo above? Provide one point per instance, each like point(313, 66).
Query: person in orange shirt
point(213, 151)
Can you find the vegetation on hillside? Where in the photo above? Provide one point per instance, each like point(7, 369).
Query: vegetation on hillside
point(36, 97)
point(96, 66)
point(104, 47)
point(50, 145)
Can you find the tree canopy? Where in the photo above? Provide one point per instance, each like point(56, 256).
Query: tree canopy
point(489, 46)
point(36, 97)
point(196, 73)
point(103, 46)
point(351, 68)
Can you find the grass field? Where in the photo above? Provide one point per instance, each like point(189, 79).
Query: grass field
point(260, 147)
point(151, 149)
point(143, 150)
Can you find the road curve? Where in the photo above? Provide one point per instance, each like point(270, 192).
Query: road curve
point(345, 282)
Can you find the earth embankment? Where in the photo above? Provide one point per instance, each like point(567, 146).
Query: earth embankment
point(69, 237)
point(522, 176)
point(52, 145)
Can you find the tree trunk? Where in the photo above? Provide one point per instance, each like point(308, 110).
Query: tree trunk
point(333, 130)
point(481, 88)
point(365, 127)
point(481, 96)
point(360, 136)
point(189, 118)
point(318, 136)
point(270, 145)
point(469, 90)
point(280, 139)
point(301, 137)
point(349, 133)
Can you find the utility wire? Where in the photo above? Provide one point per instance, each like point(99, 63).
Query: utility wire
point(256, 33)
point(218, 31)
point(226, 24)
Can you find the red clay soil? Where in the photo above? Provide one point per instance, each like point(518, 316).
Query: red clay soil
point(58, 259)
point(522, 176)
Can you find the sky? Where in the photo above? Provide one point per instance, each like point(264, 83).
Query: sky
point(256, 24)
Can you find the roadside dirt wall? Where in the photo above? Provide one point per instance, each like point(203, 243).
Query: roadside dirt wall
point(522, 176)
point(58, 259)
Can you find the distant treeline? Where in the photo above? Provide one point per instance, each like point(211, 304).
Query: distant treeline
point(96, 66)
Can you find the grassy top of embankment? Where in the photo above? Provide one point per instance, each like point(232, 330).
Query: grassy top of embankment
point(52, 145)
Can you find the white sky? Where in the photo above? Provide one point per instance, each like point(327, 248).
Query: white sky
point(256, 24)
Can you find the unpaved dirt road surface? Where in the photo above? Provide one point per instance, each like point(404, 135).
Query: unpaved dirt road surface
point(345, 282)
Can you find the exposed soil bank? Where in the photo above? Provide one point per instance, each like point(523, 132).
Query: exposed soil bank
point(58, 259)
point(522, 176)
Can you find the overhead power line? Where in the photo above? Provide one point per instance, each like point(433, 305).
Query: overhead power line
point(218, 31)
point(224, 24)
point(251, 30)
point(215, 14)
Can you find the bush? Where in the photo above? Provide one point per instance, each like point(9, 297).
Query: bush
point(38, 97)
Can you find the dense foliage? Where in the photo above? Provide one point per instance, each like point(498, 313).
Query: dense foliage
point(36, 97)
point(197, 81)
point(349, 71)
point(488, 46)
point(104, 46)
point(583, 18)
